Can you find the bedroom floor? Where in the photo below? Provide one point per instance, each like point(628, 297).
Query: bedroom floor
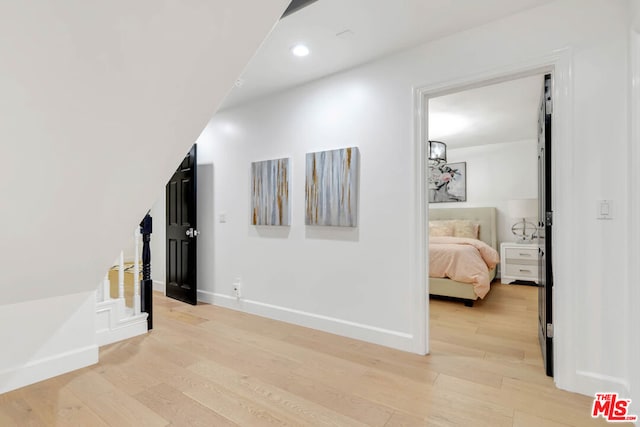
point(206, 365)
point(490, 355)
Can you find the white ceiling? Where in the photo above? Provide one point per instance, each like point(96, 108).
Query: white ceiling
point(503, 112)
point(378, 27)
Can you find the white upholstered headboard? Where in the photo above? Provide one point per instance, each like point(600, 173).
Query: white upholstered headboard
point(486, 217)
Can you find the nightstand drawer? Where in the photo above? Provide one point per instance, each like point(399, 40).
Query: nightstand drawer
point(521, 254)
point(518, 261)
point(522, 271)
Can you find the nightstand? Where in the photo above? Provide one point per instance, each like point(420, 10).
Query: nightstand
point(518, 261)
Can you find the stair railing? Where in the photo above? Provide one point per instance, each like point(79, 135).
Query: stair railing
point(115, 320)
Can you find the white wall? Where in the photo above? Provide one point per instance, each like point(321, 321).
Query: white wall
point(340, 279)
point(99, 101)
point(206, 218)
point(497, 173)
point(358, 282)
point(129, 248)
point(46, 337)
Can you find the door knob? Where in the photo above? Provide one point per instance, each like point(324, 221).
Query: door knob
point(192, 233)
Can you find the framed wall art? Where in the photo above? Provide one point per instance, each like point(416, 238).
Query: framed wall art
point(448, 183)
point(331, 187)
point(270, 203)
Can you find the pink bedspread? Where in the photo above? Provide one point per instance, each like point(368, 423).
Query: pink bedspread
point(464, 260)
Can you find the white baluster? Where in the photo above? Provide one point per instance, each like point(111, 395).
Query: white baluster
point(106, 288)
point(136, 273)
point(121, 276)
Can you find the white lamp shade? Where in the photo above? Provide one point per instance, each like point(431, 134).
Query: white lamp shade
point(523, 208)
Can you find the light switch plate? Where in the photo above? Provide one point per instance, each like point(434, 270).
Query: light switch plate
point(604, 209)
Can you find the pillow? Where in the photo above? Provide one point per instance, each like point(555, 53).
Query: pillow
point(465, 228)
point(454, 228)
point(440, 228)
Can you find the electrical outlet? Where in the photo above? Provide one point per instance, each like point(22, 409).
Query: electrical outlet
point(237, 287)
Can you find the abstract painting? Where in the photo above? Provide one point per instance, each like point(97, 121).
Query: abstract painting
point(270, 192)
point(448, 183)
point(332, 187)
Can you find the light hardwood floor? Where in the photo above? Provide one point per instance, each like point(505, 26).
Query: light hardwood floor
point(209, 366)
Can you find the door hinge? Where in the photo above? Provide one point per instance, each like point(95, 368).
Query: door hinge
point(549, 107)
point(547, 95)
point(549, 330)
point(548, 218)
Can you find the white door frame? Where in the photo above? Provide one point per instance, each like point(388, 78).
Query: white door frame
point(559, 64)
point(634, 204)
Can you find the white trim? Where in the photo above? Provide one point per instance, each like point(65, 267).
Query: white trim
point(563, 257)
point(421, 260)
point(590, 383)
point(559, 63)
point(47, 367)
point(114, 322)
point(359, 331)
point(634, 211)
point(159, 286)
point(130, 328)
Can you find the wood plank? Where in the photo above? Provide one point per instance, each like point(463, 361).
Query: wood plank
point(571, 409)
point(334, 398)
point(167, 372)
point(179, 409)
point(524, 419)
point(56, 405)
point(110, 404)
point(234, 407)
point(125, 376)
point(400, 419)
point(304, 412)
point(188, 318)
point(384, 389)
point(388, 364)
point(18, 412)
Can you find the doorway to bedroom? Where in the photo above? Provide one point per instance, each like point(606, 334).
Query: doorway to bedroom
point(488, 190)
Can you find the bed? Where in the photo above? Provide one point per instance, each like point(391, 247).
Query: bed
point(486, 219)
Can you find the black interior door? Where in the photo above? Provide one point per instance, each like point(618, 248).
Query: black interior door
point(545, 215)
point(182, 232)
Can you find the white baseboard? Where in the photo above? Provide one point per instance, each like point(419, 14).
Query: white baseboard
point(115, 322)
point(129, 329)
point(159, 286)
point(372, 334)
point(590, 383)
point(42, 369)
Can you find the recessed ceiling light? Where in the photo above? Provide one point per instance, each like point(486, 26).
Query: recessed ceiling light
point(300, 50)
